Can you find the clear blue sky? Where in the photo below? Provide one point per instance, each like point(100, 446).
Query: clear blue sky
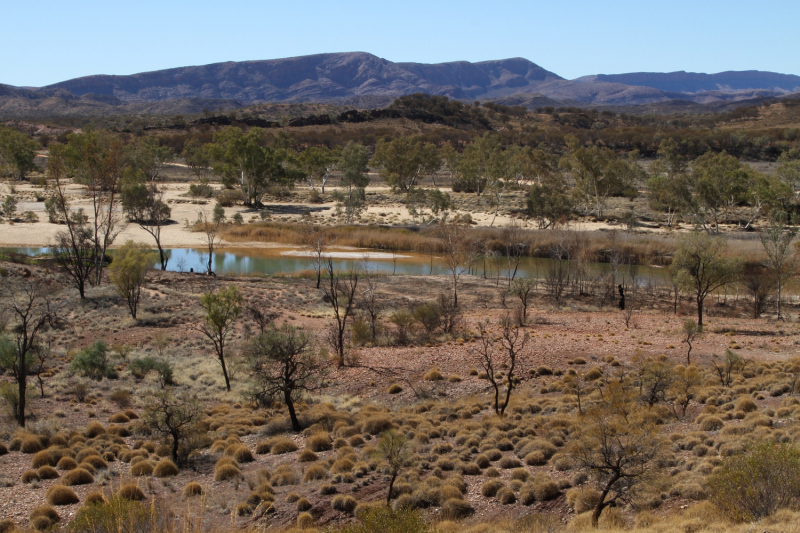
point(46, 41)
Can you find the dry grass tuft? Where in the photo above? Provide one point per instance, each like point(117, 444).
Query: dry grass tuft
point(165, 468)
point(131, 492)
point(192, 489)
point(61, 495)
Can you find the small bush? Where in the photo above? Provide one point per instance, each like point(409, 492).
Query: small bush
point(119, 418)
point(433, 375)
point(47, 472)
point(395, 389)
point(130, 492)
point(92, 362)
point(307, 456)
point(344, 503)
point(117, 515)
point(121, 397)
point(42, 458)
point(29, 476)
point(305, 521)
point(319, 442)
point(142, 468)
point(61, 495)
point(95, 497)
point(77, 476)
point(457, 509)
point(582, 499)
point(30, 444)
point(377, 424)
point(283, 445)
point(711, 423)
point(544, 488)
point(224, 472)
point(754, 485)
point(192, 489)
point(506, 496)
point(67, 463)
point(315, 473)
point(7, 525)
point(491, 487)
point(94, 429)
point(46, 511)
point(240, 453)
point(509, 462)
point(165, 468)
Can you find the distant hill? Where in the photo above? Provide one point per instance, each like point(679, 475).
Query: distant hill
point(322, 77)
point(363, 80)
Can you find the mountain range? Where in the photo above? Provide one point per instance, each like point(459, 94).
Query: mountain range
point(351, 77)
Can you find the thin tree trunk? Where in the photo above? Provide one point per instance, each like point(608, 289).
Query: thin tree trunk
point(287, 396)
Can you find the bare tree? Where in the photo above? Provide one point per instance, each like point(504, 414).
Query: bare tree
point(318, 239)
point(262, 315)
point(776, 239)
point(619, 451)
point(32, 314)
point(393, 447)
point(174, 416)
point(523, 289)
point(459, 252)
point(371, 304)
point(690, 332)
point(341, 293)
point(504, 352)
point(515, 249)
point(282, 363)
point(211, 228)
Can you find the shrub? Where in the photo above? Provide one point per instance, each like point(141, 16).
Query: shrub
point(544, 488)
point(121, 397)
point(61, 495)
point(3, 449)
point(93, 430)
point(305, 521)
point(285, 475)
point(66, 463)
point(457, 509)
point(92, 362)
point(240, 453)
point(754, 485)
point(42, 458)
point(344, 503)
point(315, 473)
point(283, 445)
point(377, 424)
point(30, 476)
point(47, 472)
point(378, 519)
point(141, 367)
point(509, 462)
point(395, 389)
point(582, 499)
point(191, 489)
point(506, 496)
point(47, 512)
point(30, 444)
point(142, 468)
point(165, 468)
point(319, 442)
point(327, 489)
point(77, 476)
point(303, 505)
point(711, 423)
point(491, 487)
point(131, 492)
point(95, 461)
point(433, 375)
point(95, 497)
point(116, 515)
point(119, 418)
point(307, 456)
point(7, 525)
point(224, 472)
point(41, 523)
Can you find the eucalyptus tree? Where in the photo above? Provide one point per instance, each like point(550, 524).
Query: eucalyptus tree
point(17, 153)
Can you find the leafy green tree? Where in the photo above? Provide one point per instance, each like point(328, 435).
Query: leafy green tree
point(701, 267)
point(483, 164)
point(353, 165)
point(9, 206)
point(282, 363)
point(242, 159)
point(788, 169)
point(17, 153)
point(199, 158)
point(317, 163)
point(598, 173)
point(222, 308)
point(128, 272)
point(428, 205)
point(146, 156)
point(405, 161)
point(721, 184)
point(668, 187)
point(549, 202)
point(144, 205)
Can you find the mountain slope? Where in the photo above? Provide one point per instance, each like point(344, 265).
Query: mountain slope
point(694, 82)
point(322, 77)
